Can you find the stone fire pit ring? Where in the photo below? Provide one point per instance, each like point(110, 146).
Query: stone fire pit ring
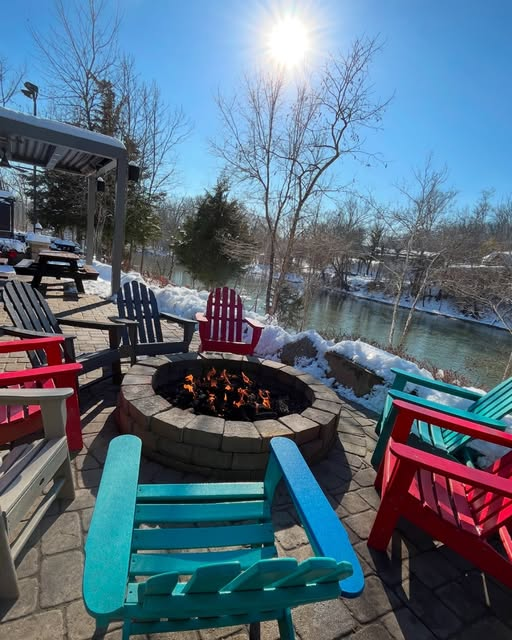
point(212, 446)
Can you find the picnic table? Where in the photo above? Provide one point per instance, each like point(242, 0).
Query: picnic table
point(56, 264)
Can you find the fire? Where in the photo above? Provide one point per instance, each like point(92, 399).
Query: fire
point(265, 398)
point(221, 393)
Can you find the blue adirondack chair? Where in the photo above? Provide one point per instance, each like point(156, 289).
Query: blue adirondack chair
point(203, 588)
point(486, 409)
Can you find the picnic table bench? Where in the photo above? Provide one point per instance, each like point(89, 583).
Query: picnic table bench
point(56, 264)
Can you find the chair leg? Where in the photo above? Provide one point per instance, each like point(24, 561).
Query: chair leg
point(68, 488)
point(126, 630)
point(9, 580)
point(116, 373)
point(286, 630)
point(254, 631)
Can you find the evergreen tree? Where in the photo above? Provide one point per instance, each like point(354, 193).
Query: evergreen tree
point(62, 202)
point(212, 244)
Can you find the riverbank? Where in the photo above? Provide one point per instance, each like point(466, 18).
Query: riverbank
point(360, 290)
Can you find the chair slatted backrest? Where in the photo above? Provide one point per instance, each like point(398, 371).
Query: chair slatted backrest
point(136, 302)
point(29, 310)
point(239, 592)
point(490, 510)
point(496, 403)
point(225, 314)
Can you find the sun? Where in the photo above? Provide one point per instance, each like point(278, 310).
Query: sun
point(289, 42)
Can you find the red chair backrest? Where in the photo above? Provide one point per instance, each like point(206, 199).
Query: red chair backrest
point(225, 315)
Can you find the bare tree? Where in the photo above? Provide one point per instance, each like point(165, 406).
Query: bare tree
point(426, 202)
point(282, 142)
point(76, 52)
point(10, 81)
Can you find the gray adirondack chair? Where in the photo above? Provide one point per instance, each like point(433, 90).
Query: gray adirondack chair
point(137, 302)
point(33, 318)
point(29, 471)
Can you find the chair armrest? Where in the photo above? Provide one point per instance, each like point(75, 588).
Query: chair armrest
point(184, 322)
point(24, 333)
point(105, 325)
point(402, 377)
point(325, 532)
point(447, 418)
point(200, 317)
point(126, 321)
point(254, 324)
point(444, 410)
point(451, 469)
point(51, 401)
point(13, 346)
point(108, 545)
point(39, 373)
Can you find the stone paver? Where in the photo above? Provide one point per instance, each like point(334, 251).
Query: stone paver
point(416, 591)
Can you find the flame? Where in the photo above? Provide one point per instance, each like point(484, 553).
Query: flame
point(243, 394)
point(213, 382)
point(265, 398)
point(189, 384)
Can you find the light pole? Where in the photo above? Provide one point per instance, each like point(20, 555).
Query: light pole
point(32, 91)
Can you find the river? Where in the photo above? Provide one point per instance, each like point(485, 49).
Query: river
point(477, 351)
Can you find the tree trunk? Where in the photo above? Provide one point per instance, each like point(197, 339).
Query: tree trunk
point(272, 257)
point(142, 260)
point(395, 311)
point(508, 368)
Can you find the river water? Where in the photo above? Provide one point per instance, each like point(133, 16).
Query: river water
point(479, 352)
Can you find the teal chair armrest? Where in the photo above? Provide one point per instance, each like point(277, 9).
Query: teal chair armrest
point(324, 530)
point(108, 545)
point(402, 377)
point(447, 410)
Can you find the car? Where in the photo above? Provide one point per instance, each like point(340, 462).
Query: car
point(58, 244)
point(12, 249)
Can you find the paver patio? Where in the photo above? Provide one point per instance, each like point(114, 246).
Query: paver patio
point(417, 591)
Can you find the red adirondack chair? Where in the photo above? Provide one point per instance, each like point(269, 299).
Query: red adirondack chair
point(16, 422)
point(457, 505)
point(221, 327)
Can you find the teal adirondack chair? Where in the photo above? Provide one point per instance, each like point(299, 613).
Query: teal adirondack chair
point(486, 409)
point(141, 531)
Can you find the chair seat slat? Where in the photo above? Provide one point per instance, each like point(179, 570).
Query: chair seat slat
point(460, 501)
point(199, 537)
point(200, 492)
point(210, 512)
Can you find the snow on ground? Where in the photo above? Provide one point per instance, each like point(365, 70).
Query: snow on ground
point(185, 302)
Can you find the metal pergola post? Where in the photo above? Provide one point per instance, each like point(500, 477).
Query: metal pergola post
point(119, 222)
point(91, 210)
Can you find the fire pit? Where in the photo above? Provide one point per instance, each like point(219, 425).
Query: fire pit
point(216, 413)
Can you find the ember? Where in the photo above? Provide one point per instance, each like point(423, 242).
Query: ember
point(228, 395)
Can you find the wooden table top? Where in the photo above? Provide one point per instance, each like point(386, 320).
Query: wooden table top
point(59, 255)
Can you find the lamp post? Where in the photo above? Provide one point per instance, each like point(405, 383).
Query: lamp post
point(32, 91)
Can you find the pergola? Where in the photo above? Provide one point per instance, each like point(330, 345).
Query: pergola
point(62, 147)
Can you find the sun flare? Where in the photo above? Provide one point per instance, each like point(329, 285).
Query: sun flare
point(288, 42)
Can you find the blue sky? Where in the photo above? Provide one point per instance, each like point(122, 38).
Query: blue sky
point(447, 62)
